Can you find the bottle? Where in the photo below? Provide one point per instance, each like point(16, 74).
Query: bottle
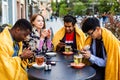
point(49, 66)
point(46, 67)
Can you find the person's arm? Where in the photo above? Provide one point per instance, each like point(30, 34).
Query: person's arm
point(98, 61)
point(13, 67)
point(49, 44)
point(44, 36)
point(94, 59)
point(41, 44)
point(60, 46)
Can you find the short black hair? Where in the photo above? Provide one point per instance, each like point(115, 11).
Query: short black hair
point(90, 24)
point(69, 18)
point(23, 24)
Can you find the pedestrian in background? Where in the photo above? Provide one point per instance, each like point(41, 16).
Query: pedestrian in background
point(104, 52)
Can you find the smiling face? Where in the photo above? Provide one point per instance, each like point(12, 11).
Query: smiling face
point(38, 22)
point(69, 27)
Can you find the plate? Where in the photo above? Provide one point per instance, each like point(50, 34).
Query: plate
point(35, 65)
point(68, 53)
point(77, 66)
point(51, 53)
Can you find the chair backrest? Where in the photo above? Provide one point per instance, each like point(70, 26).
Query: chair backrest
point(52, 34)
point(2, 27)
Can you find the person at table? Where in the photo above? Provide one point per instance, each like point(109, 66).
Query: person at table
point(39, 39)
point(104, 50)
point(69, 34)
point(13, 61)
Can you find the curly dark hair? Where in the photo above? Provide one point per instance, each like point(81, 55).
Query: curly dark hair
point(22, 24)
point(90, 24)
point(69, 18)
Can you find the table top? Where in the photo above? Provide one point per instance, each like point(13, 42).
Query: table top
point(62, 70)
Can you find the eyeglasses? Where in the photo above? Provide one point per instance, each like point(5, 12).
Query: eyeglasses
point(91, 32)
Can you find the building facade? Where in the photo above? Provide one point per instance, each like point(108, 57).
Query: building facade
point(4, 11)
point(12, 10)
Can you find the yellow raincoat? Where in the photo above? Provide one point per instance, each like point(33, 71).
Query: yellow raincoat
point(80, 37)
point(112, 46)
point(10, 67)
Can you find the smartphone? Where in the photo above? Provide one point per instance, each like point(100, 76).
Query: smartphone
point(62, 41)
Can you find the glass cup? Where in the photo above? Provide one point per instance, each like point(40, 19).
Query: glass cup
point(39, 59)
point(78, 58)
point(67, 48)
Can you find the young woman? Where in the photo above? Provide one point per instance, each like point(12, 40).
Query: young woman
point(39, 39)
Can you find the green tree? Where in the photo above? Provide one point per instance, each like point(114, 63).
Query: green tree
point(79, 8)
point(63, 11)
point(108, 6)
point(53, 5)
point(83, 7)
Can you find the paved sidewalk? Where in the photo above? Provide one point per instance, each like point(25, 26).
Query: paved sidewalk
point(55, 25)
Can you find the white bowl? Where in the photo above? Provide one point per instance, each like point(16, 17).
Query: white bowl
point(51, 53)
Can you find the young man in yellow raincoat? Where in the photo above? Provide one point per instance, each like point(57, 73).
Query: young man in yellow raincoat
point(104, 52)
point(13, 60)
point(69, 34)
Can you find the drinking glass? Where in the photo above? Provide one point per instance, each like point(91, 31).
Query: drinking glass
point(78, 59)
point(39, 59)
point(67, 48)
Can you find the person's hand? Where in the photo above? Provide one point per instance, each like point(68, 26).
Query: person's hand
point(44, 33)
point(49, 33)
point(86, 54)
point(60, 45)
point(26, 54)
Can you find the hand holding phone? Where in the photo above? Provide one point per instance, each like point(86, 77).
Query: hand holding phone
point(60, 45)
